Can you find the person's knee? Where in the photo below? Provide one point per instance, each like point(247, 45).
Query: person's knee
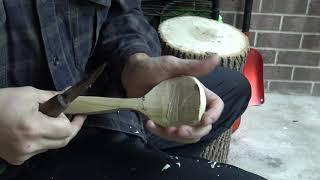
point(235, 91)
point(238, 85)
point(238, 99)
point(227, 82)
point(243, 87)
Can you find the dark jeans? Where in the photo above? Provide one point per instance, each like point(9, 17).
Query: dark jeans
point(105, 154)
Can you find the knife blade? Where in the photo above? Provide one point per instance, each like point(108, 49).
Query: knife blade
point(57, 104)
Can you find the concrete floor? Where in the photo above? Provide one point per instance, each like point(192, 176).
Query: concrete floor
point(280, 140)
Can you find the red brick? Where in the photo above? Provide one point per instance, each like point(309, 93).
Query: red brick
point(268, 56)
point(307, 74)
point(311, 42)
point(301, 24)
point(314, 8)
point(316, 90)
point(285, 6)
point(278, 40)
point(261, 22)
point(237, 5)
point(299, 58)
point(277, 73)
point(290, 87)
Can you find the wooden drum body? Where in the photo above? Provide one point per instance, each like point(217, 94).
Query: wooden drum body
point(193, 37)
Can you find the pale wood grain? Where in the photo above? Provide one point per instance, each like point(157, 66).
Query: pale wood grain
point(201, 37)
point(173, 102)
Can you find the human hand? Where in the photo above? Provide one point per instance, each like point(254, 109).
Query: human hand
point(142, 73)
point(24, 131)
point(192, 134)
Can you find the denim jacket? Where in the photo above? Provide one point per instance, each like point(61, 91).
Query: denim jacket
point(50, 44)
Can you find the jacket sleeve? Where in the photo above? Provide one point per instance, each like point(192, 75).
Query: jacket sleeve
point(127, 32)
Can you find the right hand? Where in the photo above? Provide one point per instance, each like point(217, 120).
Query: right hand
point(24, 131)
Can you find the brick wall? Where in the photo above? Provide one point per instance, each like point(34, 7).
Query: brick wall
point(287, 33)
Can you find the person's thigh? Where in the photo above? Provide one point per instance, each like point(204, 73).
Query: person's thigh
point(104, 154)
point(235, 91)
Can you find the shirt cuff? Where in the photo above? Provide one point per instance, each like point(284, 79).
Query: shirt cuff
point(133, 50)
point(118, 62)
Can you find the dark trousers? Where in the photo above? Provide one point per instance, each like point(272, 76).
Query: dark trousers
point(105, 154)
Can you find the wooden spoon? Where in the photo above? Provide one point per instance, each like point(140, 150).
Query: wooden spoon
point(174, 102)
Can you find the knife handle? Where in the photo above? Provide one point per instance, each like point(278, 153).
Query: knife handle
point(54, 106)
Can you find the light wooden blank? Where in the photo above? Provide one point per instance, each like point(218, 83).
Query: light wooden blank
point(174, 102)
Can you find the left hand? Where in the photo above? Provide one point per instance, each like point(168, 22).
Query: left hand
point(192, 134)
point(142, 73)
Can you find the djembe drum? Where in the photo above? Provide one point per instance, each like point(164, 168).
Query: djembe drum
point(193, 37)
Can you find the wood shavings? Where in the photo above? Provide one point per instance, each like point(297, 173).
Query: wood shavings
point(167, 166)
point(213, 165)
point(179, 164)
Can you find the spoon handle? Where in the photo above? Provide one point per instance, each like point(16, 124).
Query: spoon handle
point(98, 105)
